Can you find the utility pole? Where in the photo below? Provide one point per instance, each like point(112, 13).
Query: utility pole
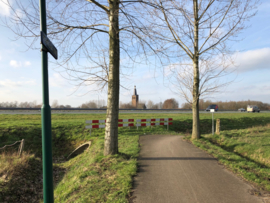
point(46, 46)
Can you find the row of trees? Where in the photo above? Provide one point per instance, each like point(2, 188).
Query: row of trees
point(187, 36)
point(167, 104)
point(55, 104)
point(16, 104)
point(228, 105)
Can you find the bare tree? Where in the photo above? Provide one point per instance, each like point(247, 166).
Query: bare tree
point(211, 72)
point(55, 104)
point(87, 34)
point(150, 104)
point(141, 105)
point(170, 104)
point(90, 104)
point(196, 35)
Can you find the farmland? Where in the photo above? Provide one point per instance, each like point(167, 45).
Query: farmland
point(242, 146)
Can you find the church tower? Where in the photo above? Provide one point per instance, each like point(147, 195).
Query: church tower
point(135, 98)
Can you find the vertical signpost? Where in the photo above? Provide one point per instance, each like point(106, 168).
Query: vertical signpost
point(212, 110)
point(46, 46)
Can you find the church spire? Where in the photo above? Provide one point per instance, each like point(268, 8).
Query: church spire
point(135, 91)
point(135, 98)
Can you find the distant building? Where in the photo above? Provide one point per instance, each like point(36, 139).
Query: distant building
point(135, 98)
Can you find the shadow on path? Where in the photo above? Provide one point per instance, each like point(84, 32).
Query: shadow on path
point(176, 158)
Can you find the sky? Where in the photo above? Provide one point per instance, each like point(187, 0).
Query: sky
point(20, 78)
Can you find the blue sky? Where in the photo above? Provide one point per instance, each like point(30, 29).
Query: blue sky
point(20, 78)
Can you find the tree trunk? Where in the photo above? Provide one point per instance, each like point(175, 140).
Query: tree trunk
point(111, 129)
point(196, 79)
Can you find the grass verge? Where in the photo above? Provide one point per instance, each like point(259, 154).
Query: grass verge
point(245, 152)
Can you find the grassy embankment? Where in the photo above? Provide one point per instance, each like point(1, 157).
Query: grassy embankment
point(245, 151)
point(90, 177)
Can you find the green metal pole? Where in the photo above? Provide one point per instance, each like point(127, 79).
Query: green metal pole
point(46, 117)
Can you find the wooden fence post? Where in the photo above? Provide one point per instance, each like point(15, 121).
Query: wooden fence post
point(21, 147)
point(218, 126)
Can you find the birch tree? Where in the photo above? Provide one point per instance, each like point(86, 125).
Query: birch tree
point(197, 32)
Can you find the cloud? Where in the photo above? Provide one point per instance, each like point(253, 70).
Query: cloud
point(9, 83)
point(27, 63)
point(57, 80)
point(15, 64)
point(4, 8)
point(253, 60)
point(18, 64)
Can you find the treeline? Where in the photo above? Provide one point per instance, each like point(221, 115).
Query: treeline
point(167, 104)
point(228, 105)
point(16, 104)
point(93, 104)
point(128, 105)
point(54, 104)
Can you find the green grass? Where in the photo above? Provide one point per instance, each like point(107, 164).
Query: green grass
point(91, 177)
point(246, 152)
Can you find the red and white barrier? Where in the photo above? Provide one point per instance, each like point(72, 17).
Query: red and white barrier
point(140, 122)
point(102, 122)
point(96, 121)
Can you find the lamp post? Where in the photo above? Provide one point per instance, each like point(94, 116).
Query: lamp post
point(46, 46)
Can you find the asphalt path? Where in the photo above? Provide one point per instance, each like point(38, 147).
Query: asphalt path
point(104, 112)
point(174, 171)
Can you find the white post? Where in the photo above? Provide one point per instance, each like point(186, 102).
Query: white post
point(212, 110)
point(212, 123)
point(21, 147)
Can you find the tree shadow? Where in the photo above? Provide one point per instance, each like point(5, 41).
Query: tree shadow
point(175, 158)
point(231, 148)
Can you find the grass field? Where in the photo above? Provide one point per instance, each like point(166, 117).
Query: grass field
point(91, 177)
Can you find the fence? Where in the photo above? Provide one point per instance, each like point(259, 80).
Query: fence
point(122, 123)
point(20, 150)
point(154, 122)
point(129, 123)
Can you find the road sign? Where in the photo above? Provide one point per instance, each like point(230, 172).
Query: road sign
point(212, 110)
point(48, 45)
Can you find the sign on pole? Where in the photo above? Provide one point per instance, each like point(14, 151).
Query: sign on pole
point(47, 166)
point(49, 47)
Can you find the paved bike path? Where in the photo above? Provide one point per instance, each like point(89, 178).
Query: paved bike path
point(174, 171)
